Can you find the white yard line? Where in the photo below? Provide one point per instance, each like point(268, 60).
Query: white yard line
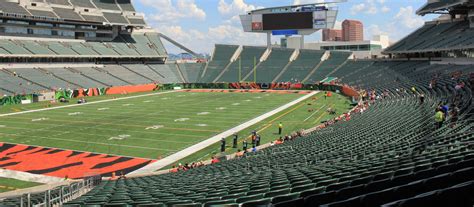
point(314, 113)
point(89, 103)
point(202, 145)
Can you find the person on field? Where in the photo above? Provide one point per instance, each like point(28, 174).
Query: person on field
point(280, 128)
point(244, 145)
point(257, 140)
point(234, 141)
point(215, 160)
point(222, 145)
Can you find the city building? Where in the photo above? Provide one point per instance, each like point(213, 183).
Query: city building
point(352, 30)
point(332, 35)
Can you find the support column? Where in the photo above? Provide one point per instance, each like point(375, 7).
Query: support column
point(269, 40)
point(302, 42)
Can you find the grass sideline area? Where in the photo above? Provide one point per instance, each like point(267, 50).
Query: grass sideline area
point(148, 127)
point(9, 184)
point(293, 119)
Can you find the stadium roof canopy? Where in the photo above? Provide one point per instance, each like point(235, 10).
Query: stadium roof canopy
point(440, 6)
point(296, 6)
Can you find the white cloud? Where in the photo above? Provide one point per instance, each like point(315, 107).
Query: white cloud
point(233, 8)
point(356, 9)
point(166, 11)
point(385, 9)
point(408, 18)
point(299, 2)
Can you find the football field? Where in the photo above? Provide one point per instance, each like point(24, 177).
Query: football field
point(149, 126)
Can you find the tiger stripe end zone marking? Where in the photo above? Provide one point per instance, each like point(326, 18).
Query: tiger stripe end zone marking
point(88, 103)
point(206, 143)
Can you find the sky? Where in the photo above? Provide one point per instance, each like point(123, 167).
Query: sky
point(199, 24)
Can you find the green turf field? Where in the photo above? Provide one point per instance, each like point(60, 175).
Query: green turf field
point(149, 127)
point(294, 118)
point(8, 184)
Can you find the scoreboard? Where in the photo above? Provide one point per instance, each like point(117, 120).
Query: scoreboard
point(282, 21)
point(301, 19)
point(304, 19)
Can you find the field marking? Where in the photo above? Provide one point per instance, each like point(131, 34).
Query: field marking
point(99, 143)
point(314, 113)
point(204, 144)
point(88, 103)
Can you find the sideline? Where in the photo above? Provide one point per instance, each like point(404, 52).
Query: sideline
point(204, 144)
point(88, 103)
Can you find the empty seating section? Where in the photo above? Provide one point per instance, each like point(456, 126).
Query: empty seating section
point(155, 40)
point(191, 71)
point(42, 78)
point(81, 49)
point(94, 18)
point(220, 59)
point(126, 5)
point(16, 85)
point(436, 36)
point(125, 74)
point(402, 160)
point(82, 3)
point(101, 76)
point(138, 45)
point(12, 48)
point(146, 71)
point(35, 47)
point(75, 77)
point(41, 13)
point(124, 49)
point(59, 2)
point(60, 49)
point(136, 21)
point(115, 18)
point(141, 43)
point(106, 4)
point(270, 68)
point(301, 67)
point(67, 13)
point(13, 7)
point(247, 61)
point(102, 49)
point(168, 71)
point(336, 59)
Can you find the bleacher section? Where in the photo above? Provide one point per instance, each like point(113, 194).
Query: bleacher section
point(42, 78)
point(191, 71)
point(436, 37)
point(168, 71)
point(126, 5)
point(137, 45)
point(11, 84)
point(300, 68)
point(126, 75)
point(75, 77)
point(336, 59)
point(270, 68)
point(12, 7)
point(248, 59)
point(220, 59)
point(351, 163)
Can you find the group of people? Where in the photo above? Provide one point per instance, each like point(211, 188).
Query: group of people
point(186, 166)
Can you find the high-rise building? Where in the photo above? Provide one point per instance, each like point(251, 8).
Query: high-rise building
point(352, 30)
point(332, 35)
